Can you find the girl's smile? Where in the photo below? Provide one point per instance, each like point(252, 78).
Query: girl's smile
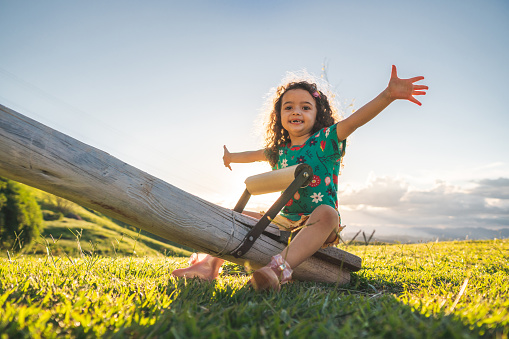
point(298, 115)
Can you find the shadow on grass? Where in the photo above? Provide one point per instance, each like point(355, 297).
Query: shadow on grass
point(225, 309)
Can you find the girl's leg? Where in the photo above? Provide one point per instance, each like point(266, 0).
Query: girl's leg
point(205, 266)
point(323, 225)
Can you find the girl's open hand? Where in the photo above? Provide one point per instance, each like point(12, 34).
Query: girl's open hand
point(405, 88)
point(227, 158)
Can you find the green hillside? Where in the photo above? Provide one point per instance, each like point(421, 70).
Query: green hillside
point(72, 229)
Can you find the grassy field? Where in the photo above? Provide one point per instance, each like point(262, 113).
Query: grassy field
point(428, 290)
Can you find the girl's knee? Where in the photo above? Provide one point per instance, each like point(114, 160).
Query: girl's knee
point(327, 215)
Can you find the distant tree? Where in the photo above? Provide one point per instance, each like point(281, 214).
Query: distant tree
point(21, 219)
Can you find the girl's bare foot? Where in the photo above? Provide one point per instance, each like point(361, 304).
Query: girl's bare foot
point(203, 266)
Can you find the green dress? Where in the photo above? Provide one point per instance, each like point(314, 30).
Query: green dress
point(323, 152)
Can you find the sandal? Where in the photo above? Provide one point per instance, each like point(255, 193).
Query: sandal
point(270, 277)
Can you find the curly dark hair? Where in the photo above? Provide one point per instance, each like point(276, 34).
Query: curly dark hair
point(276, 136)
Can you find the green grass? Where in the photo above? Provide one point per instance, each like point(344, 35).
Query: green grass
point(403, 291)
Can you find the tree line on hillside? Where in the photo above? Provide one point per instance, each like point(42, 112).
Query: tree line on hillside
point(21, 219)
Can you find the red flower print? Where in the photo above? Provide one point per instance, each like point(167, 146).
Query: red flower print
point(335, 179)
point(322, 145)
point(289, 203)
point(315, 181)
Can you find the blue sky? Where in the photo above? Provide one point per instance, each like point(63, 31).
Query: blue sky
point(163, 85)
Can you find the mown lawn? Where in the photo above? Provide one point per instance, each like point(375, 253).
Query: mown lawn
point(429, 290)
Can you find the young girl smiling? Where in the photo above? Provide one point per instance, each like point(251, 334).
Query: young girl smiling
point(302, 128)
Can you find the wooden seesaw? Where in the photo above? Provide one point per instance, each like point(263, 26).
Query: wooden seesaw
point(39, 156)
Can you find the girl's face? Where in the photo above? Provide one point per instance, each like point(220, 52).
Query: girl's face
point(298, 114)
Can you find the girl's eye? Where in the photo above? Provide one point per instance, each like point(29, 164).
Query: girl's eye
point(306, 108)
point(288, 108)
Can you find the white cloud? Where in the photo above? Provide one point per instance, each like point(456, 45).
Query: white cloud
point(391, 202)
point(379, 192)
point(493, 188)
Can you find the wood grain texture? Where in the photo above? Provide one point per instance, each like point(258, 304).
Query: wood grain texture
point(44, 158)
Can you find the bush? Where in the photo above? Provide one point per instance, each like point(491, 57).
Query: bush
point(57, 204)
point(73, 216)
point(21, 219)
point(51, 216)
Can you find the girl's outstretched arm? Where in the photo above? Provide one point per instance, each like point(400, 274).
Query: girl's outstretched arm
point(242, 157)
point(397, 89)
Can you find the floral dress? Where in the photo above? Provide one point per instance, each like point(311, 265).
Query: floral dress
point(323, 152)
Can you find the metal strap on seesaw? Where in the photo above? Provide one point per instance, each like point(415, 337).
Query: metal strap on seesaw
point(270, 182)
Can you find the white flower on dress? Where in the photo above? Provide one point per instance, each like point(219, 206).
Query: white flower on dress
point(280, 152)
point(284, 163)
point(317, 197)
point(327, 132)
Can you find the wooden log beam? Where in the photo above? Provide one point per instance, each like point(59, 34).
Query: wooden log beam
point(39, 156)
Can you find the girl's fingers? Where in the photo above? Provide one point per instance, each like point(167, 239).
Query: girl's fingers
point(416, 79)
point(225, 157)
point(420, 87)
point(394, 72)
point(416, 89)
point(415, 101)
point(227, 164)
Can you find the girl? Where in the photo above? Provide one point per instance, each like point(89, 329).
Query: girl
point(302, 129)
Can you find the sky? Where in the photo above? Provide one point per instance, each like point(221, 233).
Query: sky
point(163, 85)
